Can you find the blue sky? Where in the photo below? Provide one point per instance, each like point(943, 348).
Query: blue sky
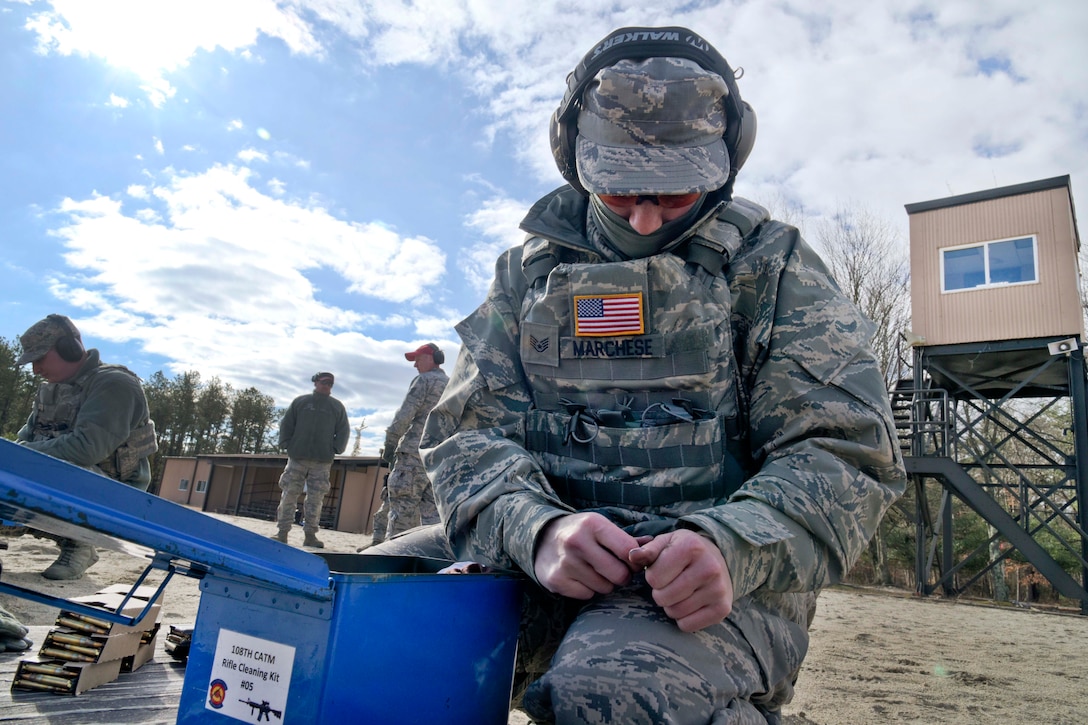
point(260, 189)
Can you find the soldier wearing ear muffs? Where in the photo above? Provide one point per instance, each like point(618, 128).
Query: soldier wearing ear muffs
point(407, 497)
point(665, 413)
point(87, 413)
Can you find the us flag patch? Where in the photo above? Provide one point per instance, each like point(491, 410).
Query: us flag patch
point(598, 315)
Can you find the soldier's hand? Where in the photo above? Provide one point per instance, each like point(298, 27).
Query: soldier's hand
point(581, 555)
point(689, 578)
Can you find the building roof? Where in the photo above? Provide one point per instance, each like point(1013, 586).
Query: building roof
point(1056, 182)
point(269, 459)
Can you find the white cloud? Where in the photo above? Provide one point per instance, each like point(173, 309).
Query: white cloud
point(497, 221)
point(117, 101)
point(212, 274)
point(870, 100)
point(867, 99)
point(251, 154)
point(154, 38)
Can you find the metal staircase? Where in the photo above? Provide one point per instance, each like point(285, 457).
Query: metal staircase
point(973, 432)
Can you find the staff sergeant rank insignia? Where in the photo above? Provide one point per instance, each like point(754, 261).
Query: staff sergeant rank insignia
point(605, 315)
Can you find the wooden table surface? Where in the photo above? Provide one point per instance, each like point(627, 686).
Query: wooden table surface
point(149, 695)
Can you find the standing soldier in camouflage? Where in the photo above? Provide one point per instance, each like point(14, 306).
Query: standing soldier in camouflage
point(665, 413)
point(314, 430)
point(408, 499)
point(87, 413)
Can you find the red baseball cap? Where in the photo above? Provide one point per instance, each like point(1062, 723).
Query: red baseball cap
point(428, 349)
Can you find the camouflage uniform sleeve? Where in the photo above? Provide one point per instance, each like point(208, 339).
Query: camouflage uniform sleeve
point(820, 421)
point(406, 413)
point(492, 496)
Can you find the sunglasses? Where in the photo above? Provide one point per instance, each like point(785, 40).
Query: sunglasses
point(325, 381)
point(665, 201)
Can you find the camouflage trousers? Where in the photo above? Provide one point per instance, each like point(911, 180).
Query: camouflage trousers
point(409, 498)
point(381, 517)
point(619, 659)
point(302, 475)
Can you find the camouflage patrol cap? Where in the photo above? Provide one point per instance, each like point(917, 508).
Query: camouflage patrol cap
point(653, 126)
point(42, 336)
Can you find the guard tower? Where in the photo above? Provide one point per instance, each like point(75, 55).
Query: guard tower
point(997, 336)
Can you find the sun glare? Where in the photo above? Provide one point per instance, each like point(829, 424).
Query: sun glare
point(146, 38)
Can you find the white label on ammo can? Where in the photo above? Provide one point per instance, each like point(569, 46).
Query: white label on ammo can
point(250, 677)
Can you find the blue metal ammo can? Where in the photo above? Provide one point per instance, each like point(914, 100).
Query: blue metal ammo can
point(398, 643)
point(283, 635)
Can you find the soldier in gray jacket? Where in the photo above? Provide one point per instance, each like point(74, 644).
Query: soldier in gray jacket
point(87, 413)
point(314, 430)
point(665, 413)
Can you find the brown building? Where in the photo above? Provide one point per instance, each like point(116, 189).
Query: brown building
point(995, 288)
point(1000, 264)
point(248, 485)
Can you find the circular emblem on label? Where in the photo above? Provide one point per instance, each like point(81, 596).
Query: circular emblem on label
point(217, 693)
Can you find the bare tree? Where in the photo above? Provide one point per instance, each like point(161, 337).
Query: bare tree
point(868, 259)
point(357, 447)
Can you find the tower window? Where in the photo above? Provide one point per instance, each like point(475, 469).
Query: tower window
point(990, 264)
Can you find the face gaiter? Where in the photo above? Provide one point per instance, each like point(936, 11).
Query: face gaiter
point(624, 240)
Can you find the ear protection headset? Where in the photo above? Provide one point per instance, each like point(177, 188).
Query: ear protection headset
point(639, 44)
point(315, 376)
point(438, 356)
point(68, 346)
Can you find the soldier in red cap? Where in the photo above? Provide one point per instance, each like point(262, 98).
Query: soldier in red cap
point(407, 499)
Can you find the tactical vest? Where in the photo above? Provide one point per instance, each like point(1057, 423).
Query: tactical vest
point(632, 370)
point(58, 406)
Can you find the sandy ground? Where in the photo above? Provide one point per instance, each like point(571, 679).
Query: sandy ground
point(876, 655)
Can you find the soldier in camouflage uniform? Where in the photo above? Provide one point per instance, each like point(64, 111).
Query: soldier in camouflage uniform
point(87, 413)
point(313, 431)
point(665, 413)
point(407, 497)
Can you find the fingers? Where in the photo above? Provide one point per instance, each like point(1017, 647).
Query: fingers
point(581, 555)
point(689, 578)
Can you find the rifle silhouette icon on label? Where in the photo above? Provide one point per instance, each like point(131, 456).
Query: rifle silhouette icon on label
point(264, 708)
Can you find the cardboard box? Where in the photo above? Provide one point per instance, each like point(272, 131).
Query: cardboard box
point(144, 654)
point(68, 678)
point(70, 646)
point(81, 651)
point(110, 599)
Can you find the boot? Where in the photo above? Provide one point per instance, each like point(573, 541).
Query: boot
point(75, 558)
point(312, 540)
point(281, 536)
